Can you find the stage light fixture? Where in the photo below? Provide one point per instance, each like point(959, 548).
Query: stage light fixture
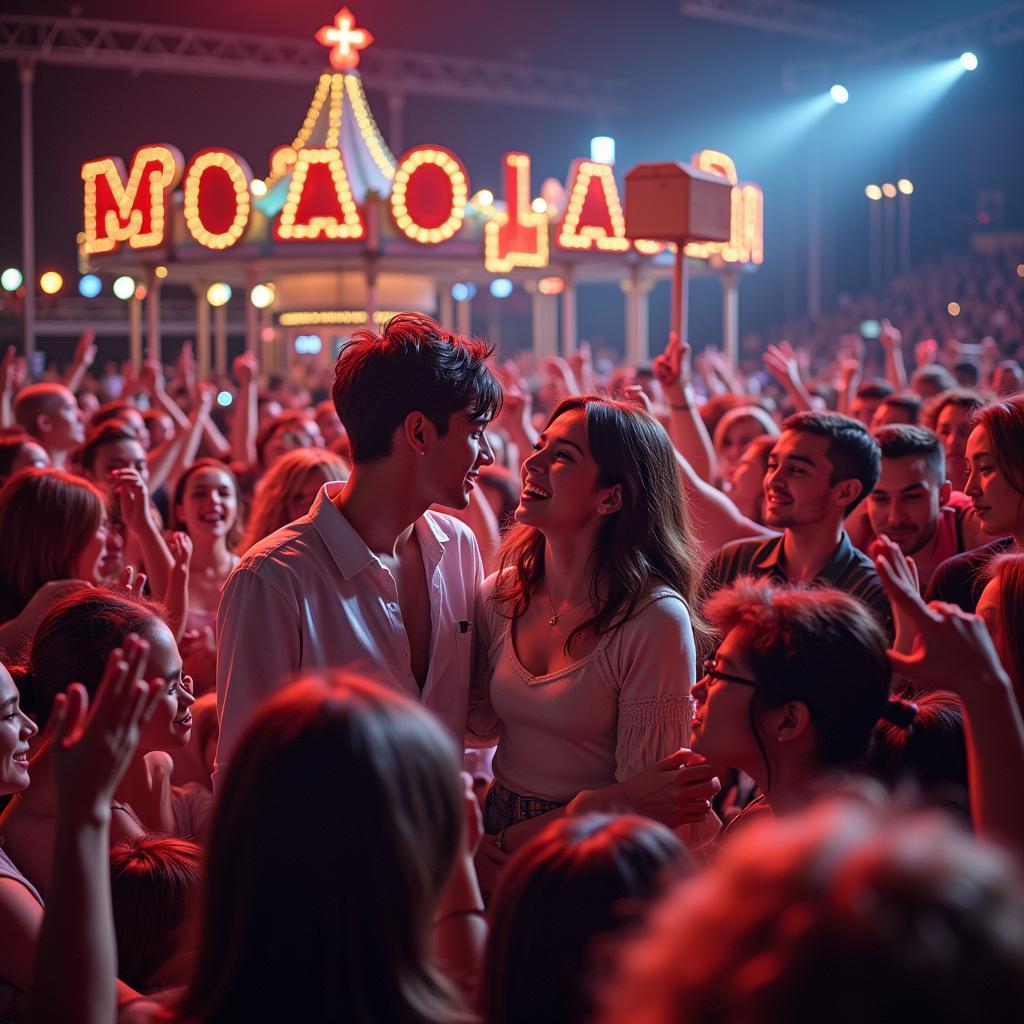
point(873, 192)
point(968, 61)
point(602, 149)
point(11, 279)
point(906, 186)
point(124, 287)
point(839, 93)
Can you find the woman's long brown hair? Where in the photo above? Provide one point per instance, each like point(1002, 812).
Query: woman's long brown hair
point(644, 545)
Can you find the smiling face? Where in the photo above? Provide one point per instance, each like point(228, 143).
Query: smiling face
point(170, 726)
point(797, 491)
point(16, 729)
point(561, 479)
point(999, 507)
point(721, 727)
point(454, 460)
point(906, 503)
point(209, 504)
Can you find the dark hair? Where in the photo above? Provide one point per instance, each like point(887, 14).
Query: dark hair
point(115, 410)
point(851, 448)
point(154, 883)
point(929, 752)
point(908, 404)
point(874, 390)
point(336, 896)
point(35, 400)
point(73, 640)
point(108, 432)
point(845, 913)
point(47, 519)
point(644, 545)
point(12, 441)
point(967, 371)
point(235, 534)
point(1004, 424)
point(900, 440)
point(934, 377)
point(818, 646)
point(412, 365)
point(561, 898)
point(962, 398)
point(289, 419)
point(1008, 569)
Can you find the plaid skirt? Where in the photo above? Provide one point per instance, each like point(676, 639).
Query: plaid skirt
point(503, 808)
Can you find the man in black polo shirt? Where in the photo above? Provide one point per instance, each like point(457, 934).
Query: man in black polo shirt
point(822, 466)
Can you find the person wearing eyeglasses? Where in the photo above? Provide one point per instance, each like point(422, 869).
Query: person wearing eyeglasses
point(794, 691)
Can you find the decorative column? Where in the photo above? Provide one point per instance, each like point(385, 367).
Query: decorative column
point(445, 305)
point(396, 108)
point(370, 275)
point(135, 332)
point(569, 312)
point(154, 344)
point(637, 288)
point(202, 330)
point(26, 75)
point(731, 316)
point(220, 339)
point(464, 317)
point(252, 314)
point(545, 324)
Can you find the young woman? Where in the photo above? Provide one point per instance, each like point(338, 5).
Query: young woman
point(53, 531)
point(795, 690)
point(371, 891)
point(995, 485)
point(287, 490)
point(21, 906)
point(744, 481)
point(561, 906)
point(72, 644)
point(587, 648)
point(205, 506)
point(1001, 605)
point(734, 432)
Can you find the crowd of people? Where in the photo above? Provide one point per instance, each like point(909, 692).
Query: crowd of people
point(455, 689)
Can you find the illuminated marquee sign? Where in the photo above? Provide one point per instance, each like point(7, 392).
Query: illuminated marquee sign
point(129, 207)
point(429, 197)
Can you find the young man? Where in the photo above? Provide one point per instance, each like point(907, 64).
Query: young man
point(822, 466)
point(370, 578)
point(51, 415)
point(909, 504)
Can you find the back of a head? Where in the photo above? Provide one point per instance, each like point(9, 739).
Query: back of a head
point(560, 903)
point(900, 440)
point(336, 896)
point(928, 755)
point(851, 448)
point(843, 914)
point(154, 883)
point(818, 646)
point(47, 517)
point(414, 364)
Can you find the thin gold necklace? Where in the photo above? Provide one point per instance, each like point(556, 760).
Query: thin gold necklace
point(555, 616)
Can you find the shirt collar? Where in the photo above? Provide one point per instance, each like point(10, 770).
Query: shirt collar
point(769, 557)
point(348, 549)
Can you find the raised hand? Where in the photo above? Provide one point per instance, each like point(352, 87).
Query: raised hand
point(953, 650)
point(925, 352)
point(85, 350)
point(890, 337)
point(782, 363)
point(906, 569)
point(132, 580)
point(152, 377)
point(91, 752)
point(133, 497)
point(673, 368)
point(246, 368)
point(180, 546)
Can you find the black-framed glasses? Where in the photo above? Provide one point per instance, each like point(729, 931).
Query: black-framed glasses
point(712, 673)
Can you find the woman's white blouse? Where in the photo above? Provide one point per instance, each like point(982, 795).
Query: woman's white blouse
point(604, 719)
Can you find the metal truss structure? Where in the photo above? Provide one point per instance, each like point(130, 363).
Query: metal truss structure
point(786, 17)
point(998, 27)
point(82, 42)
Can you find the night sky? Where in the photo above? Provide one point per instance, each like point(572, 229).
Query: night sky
point(687, 84)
